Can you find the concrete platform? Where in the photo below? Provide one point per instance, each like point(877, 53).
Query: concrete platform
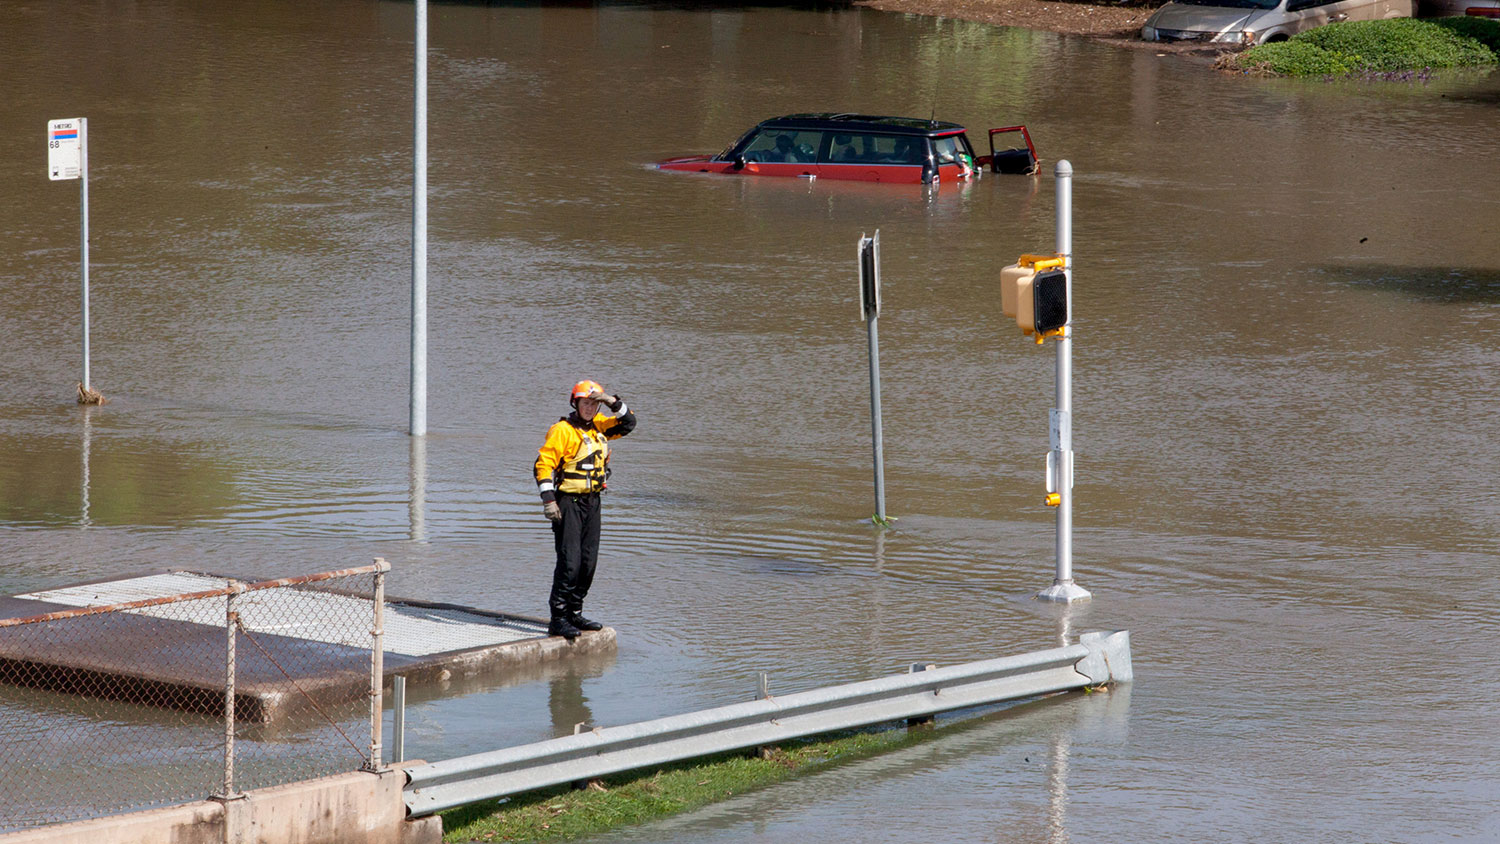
point(169, 656)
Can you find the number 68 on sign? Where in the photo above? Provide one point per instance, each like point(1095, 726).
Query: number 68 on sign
point(65, 148)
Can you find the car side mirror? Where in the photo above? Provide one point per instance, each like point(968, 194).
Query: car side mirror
point(739, 162)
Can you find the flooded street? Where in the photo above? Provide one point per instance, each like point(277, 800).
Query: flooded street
point(1286, 370)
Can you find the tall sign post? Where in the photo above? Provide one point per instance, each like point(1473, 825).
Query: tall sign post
point(419, 231)
point(869, 307)
point(68, 158)
point(1063, 589)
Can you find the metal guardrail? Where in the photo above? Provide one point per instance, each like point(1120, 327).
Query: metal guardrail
point(1097, 659)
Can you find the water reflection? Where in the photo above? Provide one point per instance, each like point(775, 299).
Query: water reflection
point(1106, 710)
point(568, 705)
point(1057, 768)
point(1057, 789)
point(85, 472)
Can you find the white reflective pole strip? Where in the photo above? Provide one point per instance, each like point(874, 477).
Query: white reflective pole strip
point(419, 233)
point(83, 152)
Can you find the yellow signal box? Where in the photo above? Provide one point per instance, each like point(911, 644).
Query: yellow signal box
point(1036, 308)
point(1010, 279)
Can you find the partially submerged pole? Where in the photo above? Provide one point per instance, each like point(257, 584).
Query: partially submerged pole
point(1063, 589)
point(419, 232)
point(84, 390)
point(869, 301)
point(68, 158)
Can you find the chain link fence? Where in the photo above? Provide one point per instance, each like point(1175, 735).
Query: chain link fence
point(114, 707)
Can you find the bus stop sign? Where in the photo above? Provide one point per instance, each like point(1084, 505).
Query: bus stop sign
point(65, 148)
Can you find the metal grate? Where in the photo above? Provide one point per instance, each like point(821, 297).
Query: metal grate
point(310, 613)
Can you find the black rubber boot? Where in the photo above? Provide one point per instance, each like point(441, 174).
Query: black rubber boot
point(560, 626)
point(583, 623)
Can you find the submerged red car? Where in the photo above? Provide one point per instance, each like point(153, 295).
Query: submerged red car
point(860, 147)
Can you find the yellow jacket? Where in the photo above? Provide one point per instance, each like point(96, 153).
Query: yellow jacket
point(574, 458)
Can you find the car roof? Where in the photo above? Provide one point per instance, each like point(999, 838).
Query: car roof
point(848, 122)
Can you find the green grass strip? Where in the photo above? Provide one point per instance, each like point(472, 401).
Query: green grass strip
point(1383, 47)
point(561, 812)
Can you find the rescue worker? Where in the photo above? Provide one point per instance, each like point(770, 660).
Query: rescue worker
point(571, 468)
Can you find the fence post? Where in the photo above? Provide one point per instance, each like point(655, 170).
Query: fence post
point(377, 663)
point(231, 626)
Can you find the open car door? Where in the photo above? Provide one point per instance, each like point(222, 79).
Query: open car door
point(1017, 160)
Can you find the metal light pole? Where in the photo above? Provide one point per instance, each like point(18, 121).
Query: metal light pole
point(419, 233)
point(1063, 589)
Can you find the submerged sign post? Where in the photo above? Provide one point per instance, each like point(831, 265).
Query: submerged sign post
point(68, 158)
point(869, 308)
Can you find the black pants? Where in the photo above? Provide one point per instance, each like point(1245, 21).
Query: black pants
point(576, 538)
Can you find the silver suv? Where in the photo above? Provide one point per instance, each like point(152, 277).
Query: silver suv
point(1242, 23)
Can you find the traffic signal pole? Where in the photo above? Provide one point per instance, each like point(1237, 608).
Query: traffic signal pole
point(1063, 589)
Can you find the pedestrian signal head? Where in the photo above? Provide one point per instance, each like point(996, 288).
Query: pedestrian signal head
point(1049, 301)
point(582, 390)
point(1034, 290)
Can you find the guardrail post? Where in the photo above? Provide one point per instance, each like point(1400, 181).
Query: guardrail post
point(926, 720)
point(377, 663)
point(398, 719)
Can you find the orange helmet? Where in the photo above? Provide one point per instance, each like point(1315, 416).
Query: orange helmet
point(582, 389)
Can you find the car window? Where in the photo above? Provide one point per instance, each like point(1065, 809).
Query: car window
point(1236, 4)
point(784, 146)
point(947, 150)
point(863, 148)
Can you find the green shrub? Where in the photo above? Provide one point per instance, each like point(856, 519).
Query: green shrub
point(1293, 58)
point(1398, 44)
point(1382, 47)
point(1483, 30)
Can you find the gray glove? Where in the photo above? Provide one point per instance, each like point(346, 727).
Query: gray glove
point(552, 511)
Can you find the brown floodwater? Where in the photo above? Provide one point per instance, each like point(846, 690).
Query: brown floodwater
point(1286, 370)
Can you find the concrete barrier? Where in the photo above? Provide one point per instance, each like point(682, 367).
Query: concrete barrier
point(354, 808)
